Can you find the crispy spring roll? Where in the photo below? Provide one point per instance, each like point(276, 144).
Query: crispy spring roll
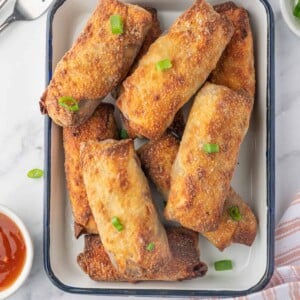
point(120, 200)
point(157, 158)
point(231, 231)
point(200, 181)
point(193, 45)
point(185, 262)
point(99, 127)
point(236, 66)
point(97, 61)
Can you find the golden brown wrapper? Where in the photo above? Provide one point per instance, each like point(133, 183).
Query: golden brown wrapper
point(200, 181)
point(99, 127)
point(236, 66)
point(97, 61)
point(193, 44)
point(117, 188)
point(185, 262)
point(157, 158)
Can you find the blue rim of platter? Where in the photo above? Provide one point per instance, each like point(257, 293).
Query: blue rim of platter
point(270, 154)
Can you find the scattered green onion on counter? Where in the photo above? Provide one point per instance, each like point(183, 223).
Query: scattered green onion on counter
point(223, 265)
point(234, 213)
point(211, 148)
point(163, 65)
point(35, 173)
point(117, 224)
point(116, 24)
point(69, 103)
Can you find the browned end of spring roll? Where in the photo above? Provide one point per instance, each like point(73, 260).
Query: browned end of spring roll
point(200, 180)
point(193, 45)
point(236, 66)
point(97, 61)
point(99, 127)
point(241, 231)
point(185, 262)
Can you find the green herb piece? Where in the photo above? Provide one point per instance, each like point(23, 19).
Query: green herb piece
point(69, 103)
point(150, 247)
point(35, 173)
point(116, 24)
point(234, 213)
point(223, 265)
point(117, 224)
point(296, 11)
point(211, 148)
point(163, 65)
point(124, 134)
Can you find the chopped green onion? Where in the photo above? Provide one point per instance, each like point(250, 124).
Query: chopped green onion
point(117, 224)
point(296, 11)
point(211, 148)
point(69, 103)
point(150, 247)
point(35, 173)
point(234, 213)
point(116, 24)
point(223, 265)
point(163, 65)
point(124, 134)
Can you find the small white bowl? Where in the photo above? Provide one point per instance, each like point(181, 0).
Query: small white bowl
point(287, 8)
point(29, 253)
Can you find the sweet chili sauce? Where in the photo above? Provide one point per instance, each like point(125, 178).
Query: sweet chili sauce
point(12, 252)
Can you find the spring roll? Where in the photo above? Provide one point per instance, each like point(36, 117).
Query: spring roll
point(97, 62)
point(157, 158)
point(99, 127)
point(236, 66)
point(120, 200)
point(185, 262)
point(192, 46)
point(229, 231)
point(200, 180)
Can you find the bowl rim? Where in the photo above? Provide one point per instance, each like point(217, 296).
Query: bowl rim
point(287, 16)
point(29, 252)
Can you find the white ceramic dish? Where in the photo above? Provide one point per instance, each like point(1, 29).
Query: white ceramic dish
point(287, 8)
point(254, 177)
point(29, 253)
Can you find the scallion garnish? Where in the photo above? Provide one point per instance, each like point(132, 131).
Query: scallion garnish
point(211, 148)
point(35, 173)
point(116, 24)
point(117, 224)
point(234, 213)
point(69, 103)
point(150, 247)
point(124, 134)
point(296, 11)
point(163, 65)
point(223, 265)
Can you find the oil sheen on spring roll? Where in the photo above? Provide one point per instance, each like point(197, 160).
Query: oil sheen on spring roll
point(236, 66)
point(185, 262)
point(97, 62)
point(120, 200)
point(200, 180)
point(157, 158)
point(99, 127)
point(192, 48)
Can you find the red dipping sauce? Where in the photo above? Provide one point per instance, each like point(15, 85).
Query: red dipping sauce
point(12, 252)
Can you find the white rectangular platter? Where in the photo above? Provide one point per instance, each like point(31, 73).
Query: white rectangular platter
point(253, 179)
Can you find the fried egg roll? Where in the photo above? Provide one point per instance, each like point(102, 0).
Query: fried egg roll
point(200, 177)
point(229, 231)
point(97, 62)
point(99, 127)
point(192, 48)
point(157, 157)
point(120, 200)
point(185, 262)
point(236, 66)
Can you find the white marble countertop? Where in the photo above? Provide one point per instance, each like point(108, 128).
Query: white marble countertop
point(22, 79)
